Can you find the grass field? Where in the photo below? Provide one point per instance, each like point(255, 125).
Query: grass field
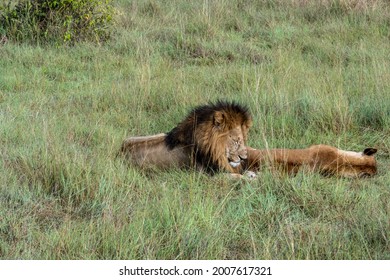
point(310, 72)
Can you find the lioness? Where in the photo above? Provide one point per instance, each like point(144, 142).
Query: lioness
point(325, 159)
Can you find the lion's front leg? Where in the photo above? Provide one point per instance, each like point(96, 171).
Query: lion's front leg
point(247, 175)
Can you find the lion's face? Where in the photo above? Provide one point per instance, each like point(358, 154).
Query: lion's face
point(213, 136)
point(235, 146)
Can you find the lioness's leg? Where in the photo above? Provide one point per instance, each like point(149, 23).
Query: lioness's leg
point(282, 160)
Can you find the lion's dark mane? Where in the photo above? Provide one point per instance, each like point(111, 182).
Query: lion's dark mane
point(184, 134)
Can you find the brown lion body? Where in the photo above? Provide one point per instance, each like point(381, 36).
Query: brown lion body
point(211, 137)
point(152, 151)
point(325, 159)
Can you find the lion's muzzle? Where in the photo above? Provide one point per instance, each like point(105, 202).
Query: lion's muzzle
point(235, 164)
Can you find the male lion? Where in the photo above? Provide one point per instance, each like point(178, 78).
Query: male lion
point(325, 159)
point(211, 138)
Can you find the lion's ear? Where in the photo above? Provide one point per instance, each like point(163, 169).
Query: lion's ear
point(369, 151)
point(219, 120)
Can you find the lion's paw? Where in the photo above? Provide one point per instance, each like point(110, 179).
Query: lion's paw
point(250, 174)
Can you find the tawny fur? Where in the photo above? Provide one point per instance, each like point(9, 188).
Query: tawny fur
point(325, 159)
point(151, 151)
point(211, 138)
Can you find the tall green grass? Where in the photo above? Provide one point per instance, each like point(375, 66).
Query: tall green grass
point(63, 22)
point(310, 74)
